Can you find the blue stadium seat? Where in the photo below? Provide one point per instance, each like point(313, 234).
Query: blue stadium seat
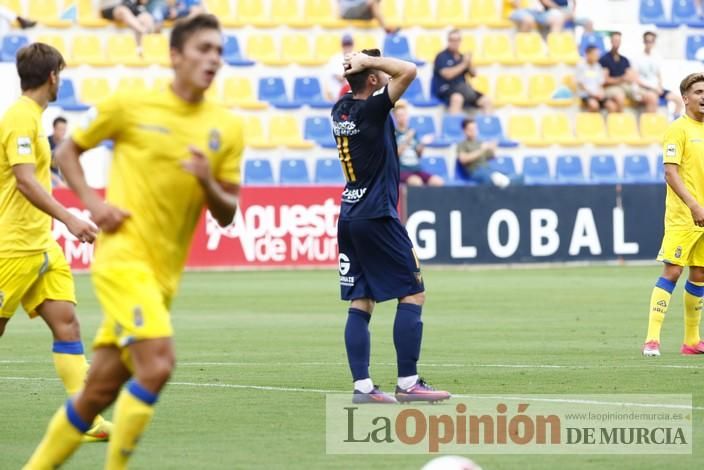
point(66, 97)
point(396, 45)
point(11, 43)
point(536, 171)
point(685, 12)
point(423, 125)
point(659, 169)
point(328, 171)
point(307, 90)
point(569, 170)
point(232, 54)
point(258, 171)
point(414, 95)
point(602, 170)
point(652, 12)
point(461, 176)
point(489, 128)
point(273, 91)
point(592, 39)
point(319, 130)
point(293, 171)
point(694, 45)
point(636, 169)
point(503, 165)
point(452, 129)
point(435, 166)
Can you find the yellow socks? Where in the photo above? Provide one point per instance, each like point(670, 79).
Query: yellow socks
point(70, 364)
point(659, 301)
point(133, 411)
point(62, 438)
point(693, 292)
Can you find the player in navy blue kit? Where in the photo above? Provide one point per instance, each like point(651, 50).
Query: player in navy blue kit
point(377, 261)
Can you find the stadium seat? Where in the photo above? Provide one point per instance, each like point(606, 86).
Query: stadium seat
point(392, 13)
point(327, 45)
point(296, 48)
point(239, 92)
point(557, 130)
point(489, 129)
point(420, 13)
point(87, 49)
point(659, 169)
point(423, 125)
point(66, 97)
point(452, 13)
point(636, 169)
point(652, 127)
point(155, 50)
point(47, 13)
point(541, 89)
point(451, 129)
point(94, 90)
point(307, 91)
point(14, 5)
point(536, 171)
point(11, 43)
point(88, 15)
point(468, 44)
point(569, 170)
point(497, 48)
point(232, 54)
point(254, 134)
point(134, 85)
point(652, 12)
point(328, 171)
point(253, 13)
point(319, 130)
point(321, 12)
point(223, 10)
point(590, 128)
point(510, 90)
point(435, 166)
point(694, 49)
point(396, 45)
point(622, 128)
point(293, 171)
point(286, 12)
point(273, 91)
point(685, 12)
point(602, 170)
point(524, 129)
point(122, 50)
point(591, 39)
point(562, 47)
point(481, 84)
point(262, 48)
point(427, 47)
point(486, 13)
point(530, 49)
point(56, 41)
point(284, 130)
point(258, 171)
point(364, 41)
point(415, 95)
point(503, 165)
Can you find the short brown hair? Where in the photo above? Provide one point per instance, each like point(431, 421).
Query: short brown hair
point(184, 28)
point(358, 81)
point(690, 80)
point(35, 62)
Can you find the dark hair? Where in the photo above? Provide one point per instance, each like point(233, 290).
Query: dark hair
point(615, 33)
point(59, 119)
point(649, 33)
point(35, 62)
point(184, 28)
point(690, 80)
point(466, 122)
point(358, 81)
point(590, 48)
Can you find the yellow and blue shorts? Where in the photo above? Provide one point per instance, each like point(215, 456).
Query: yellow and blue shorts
point(30, 280)
point(133, 304)
point(682, 248)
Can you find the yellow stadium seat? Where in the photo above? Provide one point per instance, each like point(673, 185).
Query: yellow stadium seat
point(93, 90)
point(296, 48)
point(239, 92)
point(365, 41)
point(223, 10)
point(591, 129)
point(652, 127)
point(262, 48)
point(253, 12)
point(155, 49)
point(468, 44)
point(524, 129)
point(286, 12)
point(57, 42)
point(46, 12)
point(321, 12)
point(485, 13)
point(89, 16)
point(452, 13)
point(531, 49)
point(420, 13)
point(622, 127)
point(327, 45)
point(14, 5)
point(497, 48)
point(88, 49)
point(563, 48)
point(481, 84)
point(541, 88)
point(391, 12)
point(132, 85)
point(556, 130)
point(510, 89)
point(254, 135)
point(122, 50)
point(285, 130)
point(428, 46)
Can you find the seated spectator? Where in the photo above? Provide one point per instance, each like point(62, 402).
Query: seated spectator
point(410, 151)
point(621, 80)
point(132, 13)
point(474, 156)
point(334, 82)
point(524, 13)
point(170, 10)
point(650, 78)
point(58, 135)
point(560, 12)
point(449, 83)
point(9, 17)
point(365, 10)
point(590, 83)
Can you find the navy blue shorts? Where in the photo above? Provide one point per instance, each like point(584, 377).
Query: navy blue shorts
point(377, 260)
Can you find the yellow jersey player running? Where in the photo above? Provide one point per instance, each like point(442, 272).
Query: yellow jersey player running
point(33, 270)
point(174, 153)
point(683, 242)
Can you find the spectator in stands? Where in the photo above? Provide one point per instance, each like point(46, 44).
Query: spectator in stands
point(449, 83)
point(133, 13)
point(560, 12)
point(365, 10)
point(410, 151)
point(163, 10)
point(621, 80)
point(650, 78)
point(474, 157)
point(335, 84)
point(526, 14)
point(590, 79)
point(58, 135)
point(9, 17)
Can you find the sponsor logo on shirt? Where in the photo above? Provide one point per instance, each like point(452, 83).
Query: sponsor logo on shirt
point(24, 146)
point(347, 128)
point(353, 196)
point(154, 128)
point(214, 140)
point(671, 150)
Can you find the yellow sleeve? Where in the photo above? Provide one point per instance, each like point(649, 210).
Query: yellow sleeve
point(104, 122)
point(229, 169)
point(19, 136)
point(673, 145)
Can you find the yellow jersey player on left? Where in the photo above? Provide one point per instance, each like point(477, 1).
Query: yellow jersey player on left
point(33, 270)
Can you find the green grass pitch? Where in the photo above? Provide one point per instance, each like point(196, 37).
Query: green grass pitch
point(284, 329)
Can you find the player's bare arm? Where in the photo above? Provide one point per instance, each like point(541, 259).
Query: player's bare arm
point(30, 188)
point(401, 73)
point(674, 180)
point(108, 218)
point(221, 197)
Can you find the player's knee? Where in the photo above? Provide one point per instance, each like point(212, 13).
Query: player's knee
point(672, 272)
point(416, 299)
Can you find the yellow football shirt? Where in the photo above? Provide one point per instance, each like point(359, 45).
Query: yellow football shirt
point(24, 229)
point(683, 145)
point(152, 133)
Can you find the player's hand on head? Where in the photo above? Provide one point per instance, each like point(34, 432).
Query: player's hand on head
point(198, 165)
point(83, 230)
point(108, 218)
point(354, 62)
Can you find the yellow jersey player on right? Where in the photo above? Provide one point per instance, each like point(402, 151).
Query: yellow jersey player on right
point(683, 242)
point(174, 153)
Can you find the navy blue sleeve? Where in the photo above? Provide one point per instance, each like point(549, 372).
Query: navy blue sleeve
point(603, 61)
point(437, 66)
point(378, 106)
point(628, 63)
